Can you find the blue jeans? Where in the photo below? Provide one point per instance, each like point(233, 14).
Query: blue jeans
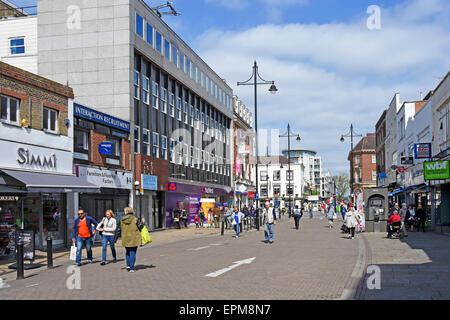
point(236, 228)
point(81, 242)
point(105, 240)
point(310, 214)
point(268, 231)
point(131, 257)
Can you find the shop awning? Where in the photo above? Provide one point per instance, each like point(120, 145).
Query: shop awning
point(406, 189)
point(6, 190)
point(51, 183)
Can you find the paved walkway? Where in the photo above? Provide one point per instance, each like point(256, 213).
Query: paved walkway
point(416, 267)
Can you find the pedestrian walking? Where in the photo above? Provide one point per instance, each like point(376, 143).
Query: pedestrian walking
point(176, 219)
point(210, 218)
point(310, 208)
point(184, 217)
point(216, 217)
point(270, 219)
point(237, 220)
point(410, 218)
point(107, 228)
point(331, 216)
point(202, 216)
point(228, 217)
point(351, 221)
point(197, 221)
point(297, 216)
point(421, 217)
point(343, 210)
point(83, 231)
point(131, 237)
point(402, 212)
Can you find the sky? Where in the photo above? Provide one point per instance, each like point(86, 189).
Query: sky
point(332, 61)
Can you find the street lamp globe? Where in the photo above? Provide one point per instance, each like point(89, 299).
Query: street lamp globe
point(298, 139)
point(273, 89)
point(342, 139)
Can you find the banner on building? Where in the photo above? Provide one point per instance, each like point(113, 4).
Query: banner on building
point(436, 170)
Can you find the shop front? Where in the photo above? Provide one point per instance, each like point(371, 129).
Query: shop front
point(192, 197)
point(40, 205)
point(115, 187)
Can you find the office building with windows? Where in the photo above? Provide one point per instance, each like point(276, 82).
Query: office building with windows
point(122, 59)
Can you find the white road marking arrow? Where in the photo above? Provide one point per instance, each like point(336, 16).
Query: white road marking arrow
point(235, 265)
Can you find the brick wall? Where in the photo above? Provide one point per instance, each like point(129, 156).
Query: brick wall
point(34, 93)
point(152, 166)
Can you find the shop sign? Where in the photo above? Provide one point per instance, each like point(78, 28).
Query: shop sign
point(106, 148)
point(42, 161)
point(436, 170)
point(99, 117)
point(407, 160)
point(207, 190)
point(172, 186)
point(243, 149)
point(9, 198)
point(105, 178)
point(149, 182)
point(422, 150)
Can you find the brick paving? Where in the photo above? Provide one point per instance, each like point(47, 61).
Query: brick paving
point(314, 262)
point(416, 267)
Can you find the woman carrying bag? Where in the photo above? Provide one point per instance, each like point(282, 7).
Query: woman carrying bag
point(107, 228)
point(131, 237)
point(351, 221)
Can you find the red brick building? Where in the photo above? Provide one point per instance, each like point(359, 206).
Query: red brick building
point(364, 168)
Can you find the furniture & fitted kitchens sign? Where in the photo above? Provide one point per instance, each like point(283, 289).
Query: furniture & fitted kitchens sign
point(105, 178)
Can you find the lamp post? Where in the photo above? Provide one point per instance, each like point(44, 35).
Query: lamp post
point(289, 135)
point(273, 89)
point(351, 135)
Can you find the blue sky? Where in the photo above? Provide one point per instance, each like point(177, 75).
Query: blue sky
point(330, 69)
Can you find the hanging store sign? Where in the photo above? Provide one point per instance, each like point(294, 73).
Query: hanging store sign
point(422, 150)
point(106, 148)
point(149, 182)
point(9, 198)
point(436, 170)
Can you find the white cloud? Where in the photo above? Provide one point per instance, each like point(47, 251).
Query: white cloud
point(332, 75)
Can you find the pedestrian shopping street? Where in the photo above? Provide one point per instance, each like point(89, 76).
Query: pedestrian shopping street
point(314, 262)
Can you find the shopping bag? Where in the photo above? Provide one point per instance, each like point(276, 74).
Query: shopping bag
point(145, 235)
point(427, 223)
point(73, 252)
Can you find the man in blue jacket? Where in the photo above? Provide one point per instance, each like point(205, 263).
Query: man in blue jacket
point(270, 219)
point(83, 231)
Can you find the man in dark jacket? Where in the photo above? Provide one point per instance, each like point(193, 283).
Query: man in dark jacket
point(83, 231)
point(421, 217)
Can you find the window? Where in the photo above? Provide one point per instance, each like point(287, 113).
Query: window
point(374, 158)
point(155, 89)
point(276, 189)
point(163, 99)
point(171, 104)
point(149, 34)
point(290, 190)
point(192, 157)
point(178, 111)
point(175, 55)
point(171, 148)
point(264, 176)
point(81, 144)
point(199, 77)
point(146, 142)
point(155, 140)
point(194, 72)
point(374, 175)
point(264, 190)
point(289, 175)
point(191, 116)
point(164, 147)
point(139, 25)
point(181, 61)
point(202, 121)
point(17, 46)
point(136, 140)
point(188, 67)
point(167, 49)
point(136, 84)
point(277, 175)
point(186, 155)
point(116, 146)
point(185, 120)
point(357, 158)
point(9, 110)
point(158, 41)
point(145, 89)
point(50, 120)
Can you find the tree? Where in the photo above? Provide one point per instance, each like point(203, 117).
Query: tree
point(342, 186)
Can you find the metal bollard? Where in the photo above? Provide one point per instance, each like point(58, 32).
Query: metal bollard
point(222, 230)
point(19, 259)
point(49, 252)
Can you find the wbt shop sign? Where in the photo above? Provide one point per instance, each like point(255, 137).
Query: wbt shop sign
point(436, 170)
